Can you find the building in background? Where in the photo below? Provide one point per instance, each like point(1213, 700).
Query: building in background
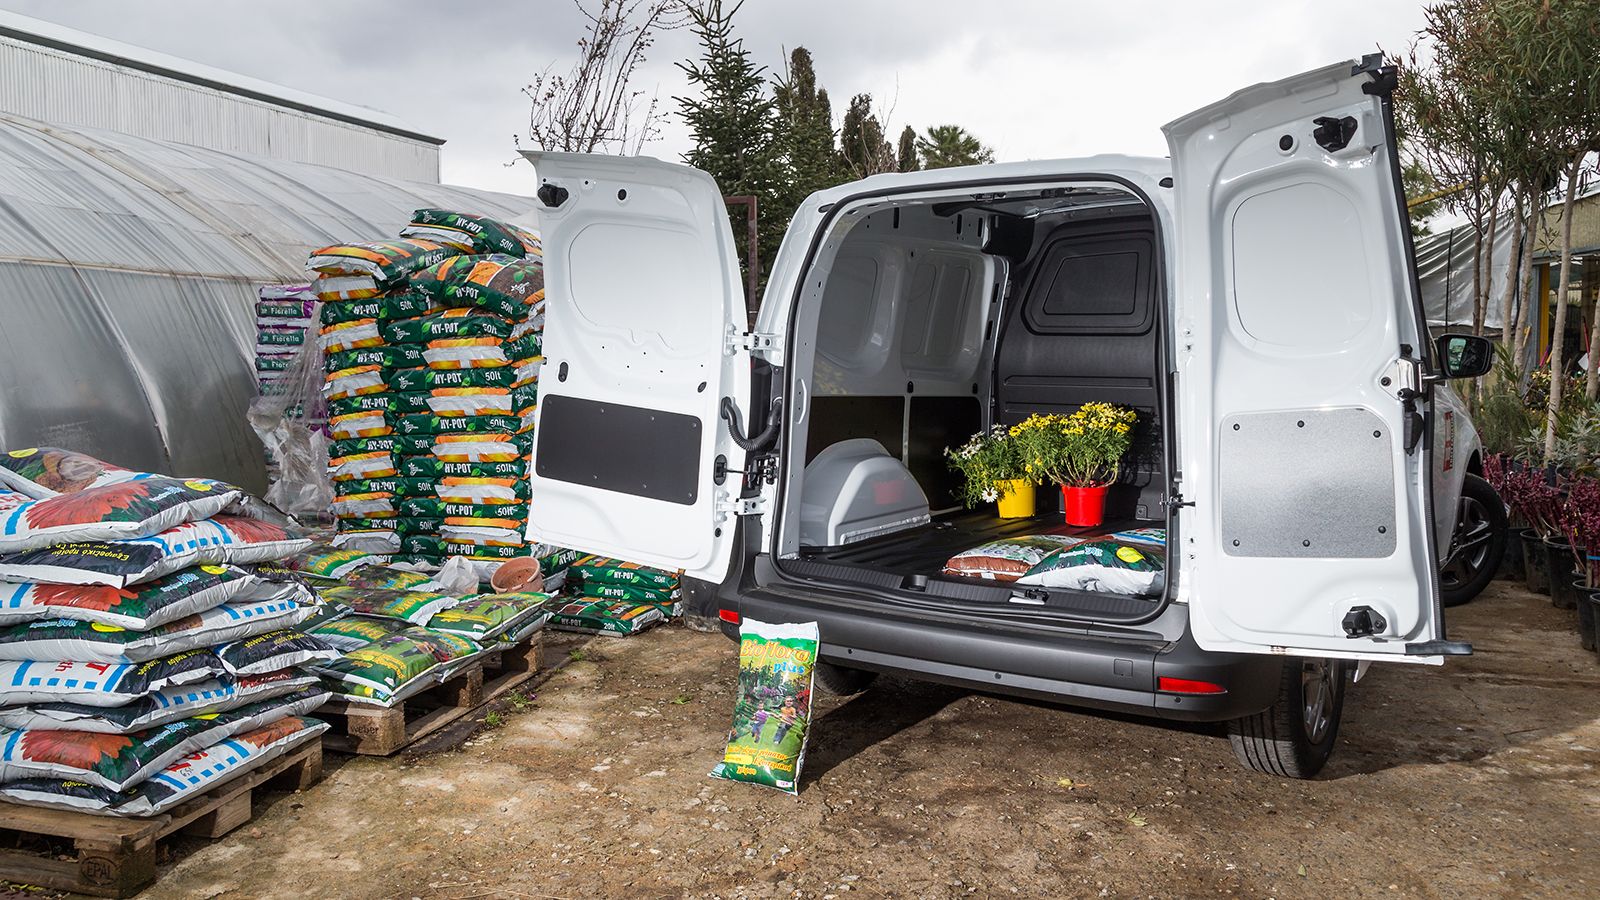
point(66, 77)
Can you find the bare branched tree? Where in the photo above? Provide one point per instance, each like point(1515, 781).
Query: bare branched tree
point(594, 107)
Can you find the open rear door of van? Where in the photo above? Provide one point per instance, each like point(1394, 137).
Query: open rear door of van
point(1302, 377)
point(644, 315)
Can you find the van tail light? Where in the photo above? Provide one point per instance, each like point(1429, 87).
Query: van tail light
point(1188, 686)
point(729, 615)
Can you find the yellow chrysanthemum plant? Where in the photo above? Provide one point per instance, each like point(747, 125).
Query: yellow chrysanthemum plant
point(1084, 449)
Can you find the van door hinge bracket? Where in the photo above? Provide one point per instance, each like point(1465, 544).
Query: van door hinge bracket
point(751, 341)
point(741, 506)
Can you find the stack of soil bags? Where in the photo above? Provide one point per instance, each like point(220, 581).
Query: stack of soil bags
point(285, 313)
point(434, 344)
point(143, 633)
point(609, 596)
point(398, 634)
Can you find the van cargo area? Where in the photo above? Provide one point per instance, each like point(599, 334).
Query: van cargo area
point(940, 315)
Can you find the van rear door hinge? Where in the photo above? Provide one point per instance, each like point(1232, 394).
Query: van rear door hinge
point(741, 506)
point(753, 341)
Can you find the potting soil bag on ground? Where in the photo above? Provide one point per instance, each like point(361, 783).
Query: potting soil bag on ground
point(334, 564)
point(273, 651)
point(1008, 558)
point(408, 404)
point(185, 779)
point(614, 571)
point(367, 540)
point(372, 506)
point(383, 261)
point(92, 642)
point(432, 507)
point(410, 525)
point(396, 666)
point(415, 607)
point(133, 509)
point(421, 545)
point(398, 358)
point(483, 532)
point(101, 684)
point(472, 402)
point(469, 233)
point(426, 380)
point(432, 467)
point(361, 403)
point(1103, 566)
point(772, 709)
point(140, 608)
point(488, 551)
point(157, 709)
point(119, 761)
point(636, 593)
point(355, 632)
point(487, 617)
point(613, 617)
point(386, 579)
point(505, 285)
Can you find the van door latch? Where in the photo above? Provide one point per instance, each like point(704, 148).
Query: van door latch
point(1333, 134)
point(1176, 501)
point(1364, 621)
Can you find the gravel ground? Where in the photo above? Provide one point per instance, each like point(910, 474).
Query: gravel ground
point(1475, 779)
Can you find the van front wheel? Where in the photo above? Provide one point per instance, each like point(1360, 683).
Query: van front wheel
point(1294, 736)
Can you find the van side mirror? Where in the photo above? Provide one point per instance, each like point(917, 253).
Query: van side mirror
point(1465, 355)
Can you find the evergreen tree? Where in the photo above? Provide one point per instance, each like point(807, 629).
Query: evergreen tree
point(732, 121)
point(906, 154)
point(804, 133)
point(863, 150)
point(951, 145)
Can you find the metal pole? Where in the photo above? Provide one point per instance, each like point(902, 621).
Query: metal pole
point(752, 249)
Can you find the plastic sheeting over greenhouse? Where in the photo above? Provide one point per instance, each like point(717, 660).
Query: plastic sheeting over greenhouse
point(128, 272)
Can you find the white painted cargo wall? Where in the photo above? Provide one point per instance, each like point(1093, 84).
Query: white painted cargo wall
point(57, 86)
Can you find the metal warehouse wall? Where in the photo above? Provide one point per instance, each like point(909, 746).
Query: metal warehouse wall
point(57, 85)
point(128, 274)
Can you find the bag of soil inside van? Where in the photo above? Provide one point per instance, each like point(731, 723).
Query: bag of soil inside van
point(505, 285)
point(414, 607)
point(469, 233)
point(488, 617)
point(610, 617)
point(140, 608)
point(1154, 537)
point(157, 709)
point(772, 708)
point(102, 684)
point(1008, 558)
point(386, 262)
point(394, 667)
point(92, 642)
point(1102, 566)
point(114, 512)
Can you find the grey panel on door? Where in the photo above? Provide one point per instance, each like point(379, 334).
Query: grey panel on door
point(1307, 483)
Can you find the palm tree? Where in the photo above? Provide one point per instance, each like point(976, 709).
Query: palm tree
point(951, 145)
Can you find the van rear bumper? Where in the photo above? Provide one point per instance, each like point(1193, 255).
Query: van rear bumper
point(1079, 668)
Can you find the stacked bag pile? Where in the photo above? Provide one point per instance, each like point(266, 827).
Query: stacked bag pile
point(399, 632)
point(433, 347)
point(285, 313)
point(608, 596)
point(149, 648)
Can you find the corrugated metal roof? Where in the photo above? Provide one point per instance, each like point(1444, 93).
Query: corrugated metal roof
point(128, 272)
point(93, 46)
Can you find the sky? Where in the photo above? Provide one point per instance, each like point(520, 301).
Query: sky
point(1033, 79)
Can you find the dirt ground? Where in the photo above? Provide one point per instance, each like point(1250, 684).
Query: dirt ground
point(1475, 779)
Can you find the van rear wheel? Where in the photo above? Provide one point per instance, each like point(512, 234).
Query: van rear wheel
point(1294, 737)
point(842, 682)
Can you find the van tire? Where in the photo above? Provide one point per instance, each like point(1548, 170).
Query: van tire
point(1481, 518)
point(842, 682)
point(1278, 740)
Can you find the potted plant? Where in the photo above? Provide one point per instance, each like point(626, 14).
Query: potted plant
point(1081, 452)
point(991, 464)
point(1582, 522)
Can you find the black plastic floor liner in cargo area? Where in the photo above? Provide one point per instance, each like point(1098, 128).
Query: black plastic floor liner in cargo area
point(923, 551)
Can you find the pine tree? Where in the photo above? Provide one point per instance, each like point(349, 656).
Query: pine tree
point(732, 121)
point(906, 154)
point(804, 133)
point(862, 147)
point(951, 145)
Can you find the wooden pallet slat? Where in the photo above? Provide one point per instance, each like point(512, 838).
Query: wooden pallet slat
point(117, 857)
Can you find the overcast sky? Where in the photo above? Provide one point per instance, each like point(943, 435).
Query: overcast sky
point(1032, 78)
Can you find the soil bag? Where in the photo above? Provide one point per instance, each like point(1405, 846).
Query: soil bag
point(354, 632)
point(1008, 558)
point(502, 284)
point(1102, 566)
point(347, 336)
point(385, 262)
point(612, 617)
point(44, 472)
point(100, 684)
point(139, 608)
point(487, 617)
point(1154, 537)
point(386, 579)
point(335, 564)
point(272, 651)
point(452, 323)
point(772, 709)
point(393, 668)
point(478, 448)
point(466, 353)
point(426, 380)
point(344, 288)
point(133, 509)
point(633, 592)
point(92, 642)
point(470, 233)
point(414, 607)
point(185, 779)
point(614, 571)
point(362, 466)
point(161, 707)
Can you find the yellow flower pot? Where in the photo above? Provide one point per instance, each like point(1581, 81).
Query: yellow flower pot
point(1016, 499)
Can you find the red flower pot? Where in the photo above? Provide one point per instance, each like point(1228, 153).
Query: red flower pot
point(1084, 506)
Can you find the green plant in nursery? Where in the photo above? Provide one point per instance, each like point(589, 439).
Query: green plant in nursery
point(985, 460)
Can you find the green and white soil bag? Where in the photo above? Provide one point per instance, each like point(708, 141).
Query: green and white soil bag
point(772, 710)
point(470, 233)
point(501, 284)
point(605, 570)
point(354, 632)
point(610, 617)
point(1102, 566)
point(397, 666)
point(361, 466)
point(427, 380)
point(346, 336)
point(161, 707)
point(119, 761)
point(101, 684)
point(92, 642)
point(140, 608)
point(466, 353)
point(133, 509)
point(335, 564)
point(488, 617)
point(632, 592)
point(413, 607)
point(273, 651)
point(482, 491)
point(373, 505)
point(354, 382)
point(189, 777)
point(479, 534)
point(451, 323)
point(386, 262)
point(346, 288)
point(1007, 559)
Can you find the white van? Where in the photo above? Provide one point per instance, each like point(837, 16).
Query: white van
point(1254, 299)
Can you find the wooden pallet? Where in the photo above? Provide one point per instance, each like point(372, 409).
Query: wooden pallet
point(117, 857)
point(382, 731)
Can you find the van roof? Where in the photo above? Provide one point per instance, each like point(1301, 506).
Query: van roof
point(1142, 171)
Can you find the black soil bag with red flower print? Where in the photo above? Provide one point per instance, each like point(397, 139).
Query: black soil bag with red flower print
point(230, 540)
point(114, 512)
